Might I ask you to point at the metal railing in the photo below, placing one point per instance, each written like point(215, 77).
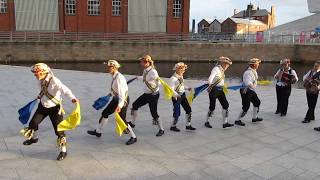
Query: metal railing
point(293, 38)
point(90, 36)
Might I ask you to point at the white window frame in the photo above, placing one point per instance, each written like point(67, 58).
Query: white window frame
point(3, 6)
point(116, 7)
point(177, 8)
point(70, 7)
point(93, 7)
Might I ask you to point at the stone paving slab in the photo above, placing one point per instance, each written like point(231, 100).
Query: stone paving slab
point(277, 148)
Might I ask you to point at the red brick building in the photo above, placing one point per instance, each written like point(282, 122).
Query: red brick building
point(255, 13)
point(110, 16)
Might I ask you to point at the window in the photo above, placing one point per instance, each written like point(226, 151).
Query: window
point(94, 7)
point(70, 7)
point(177, 8)
point(116, 7)
point(3, 6)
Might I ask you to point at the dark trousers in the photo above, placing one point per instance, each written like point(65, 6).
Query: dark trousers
point(217, 93)
point(283, 93)
point(151, 99)
point(112, 106)
point(41, 113)
point(312, 102)
point(247, 96)
point(182, 100)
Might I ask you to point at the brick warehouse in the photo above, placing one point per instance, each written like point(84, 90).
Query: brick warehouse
point(109, 16)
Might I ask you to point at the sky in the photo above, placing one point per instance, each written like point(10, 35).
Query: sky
point(286, 10)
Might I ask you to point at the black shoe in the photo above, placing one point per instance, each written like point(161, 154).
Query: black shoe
point(154, 122)
point(174, 128)
point(190, 128)
point(257, 119)
point(239, 123)
point(62, 156)
point(131, 124)
point(277, 112)
point(283, 114)
point(225, 125)
point(160, 133)
point(30, 141)
point(131, 141)
point(207, 124)
point(94, 133)
point(317, 128)
point(306, 121)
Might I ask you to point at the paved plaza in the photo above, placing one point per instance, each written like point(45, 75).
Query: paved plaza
point(277, 148)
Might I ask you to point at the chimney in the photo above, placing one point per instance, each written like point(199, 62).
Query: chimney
point(235, 11)
point(273, 17)
point(193, 25)
point(273, 10)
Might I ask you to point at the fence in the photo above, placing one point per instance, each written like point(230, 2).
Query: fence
point(259, 37)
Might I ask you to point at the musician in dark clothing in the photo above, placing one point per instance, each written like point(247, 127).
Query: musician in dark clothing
point(311, 83)
point(285, 76)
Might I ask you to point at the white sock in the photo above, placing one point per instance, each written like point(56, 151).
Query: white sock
point(131, 131)
point(188, 119)
point(241, 115)
point(101, 125)
point(255, 113)
point(35, 135)
point(224, 115)
point(160, 124)
point(63, 148)
point(134, 117)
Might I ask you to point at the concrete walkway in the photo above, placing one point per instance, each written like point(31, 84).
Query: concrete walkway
point(277, 148)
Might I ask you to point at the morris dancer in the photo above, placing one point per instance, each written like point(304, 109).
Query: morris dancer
point(150, 95)
point(177, 84)
point(119, 102)
point(50, 105)
point(215, 89)
point(248, 94)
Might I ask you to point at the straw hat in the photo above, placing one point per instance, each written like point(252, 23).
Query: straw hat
point(225, 60)
point(179, 65)
point(113, 63)
point(40, 67)
point(254, 61)
point(146, 58)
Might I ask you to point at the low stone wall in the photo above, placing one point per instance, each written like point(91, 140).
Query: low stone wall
point(165, 51)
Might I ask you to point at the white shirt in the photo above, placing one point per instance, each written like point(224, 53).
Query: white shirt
point(308, 74)
point(174, 83)
point(290, 71)
point(55, 88)
point(119, 88)
point(151, 77)
point(216, 73)
point(250, 78)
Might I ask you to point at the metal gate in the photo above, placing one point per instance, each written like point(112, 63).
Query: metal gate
point(36, 15)
point(147, 16)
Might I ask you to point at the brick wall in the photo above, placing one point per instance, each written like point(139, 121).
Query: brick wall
point(99, 51)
